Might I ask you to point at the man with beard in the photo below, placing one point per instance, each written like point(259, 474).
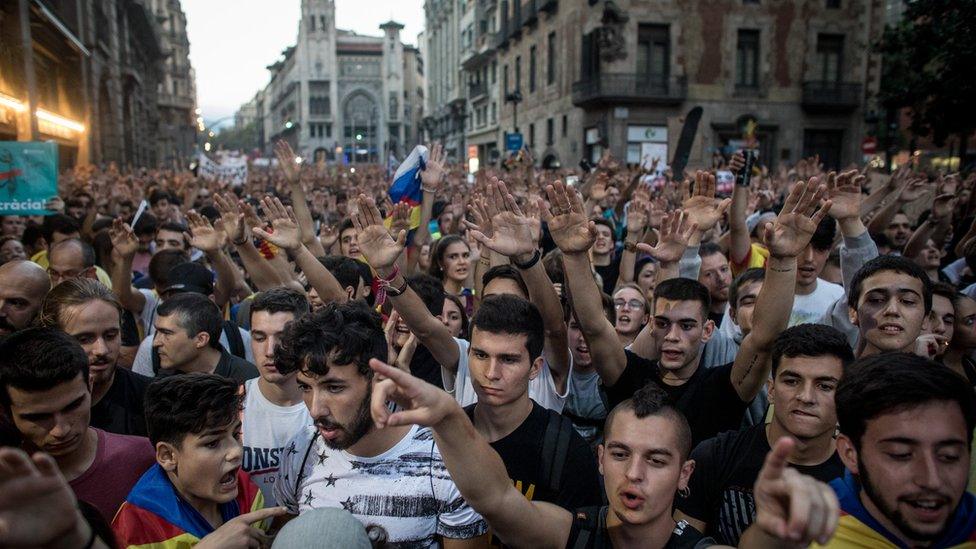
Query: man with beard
point(46, 391)
point(89, 312)
point(23, 285)
point(390, 477)
point(716, 275)
point(906, 427)
point(808, 361)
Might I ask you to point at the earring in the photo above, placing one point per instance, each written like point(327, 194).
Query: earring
point(685, 492)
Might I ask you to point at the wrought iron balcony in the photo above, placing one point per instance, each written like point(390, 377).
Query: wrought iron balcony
point(477, 89)
point(827, 96)
point(629, 88)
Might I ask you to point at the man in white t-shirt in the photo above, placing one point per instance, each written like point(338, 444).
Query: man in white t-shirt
point(814, 296)
point(391, 477)
point(273, 408)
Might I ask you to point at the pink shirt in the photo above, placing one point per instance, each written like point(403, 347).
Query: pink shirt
point(119, 462)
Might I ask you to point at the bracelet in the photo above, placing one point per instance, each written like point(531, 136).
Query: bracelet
point(396, 292)
point(530, 263)
point(630, 246)
point(426, 190)
point(392, 277)
point(239, 242)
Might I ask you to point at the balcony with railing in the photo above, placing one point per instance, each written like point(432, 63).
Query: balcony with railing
point(530, 13)
point(831, 96)
point(477, 89)
point(604, 89)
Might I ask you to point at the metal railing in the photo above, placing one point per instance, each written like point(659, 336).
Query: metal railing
point(819, 94)
point(631, 88)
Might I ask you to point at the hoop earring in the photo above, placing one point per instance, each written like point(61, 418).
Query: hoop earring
point(685, 492)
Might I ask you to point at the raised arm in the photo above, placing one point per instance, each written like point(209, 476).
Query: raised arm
point(431, 180)
point(263, 276)
point(574, 235)
point(516, 236)
point(211, 242)
point(739, 241)
point(637, 218)
point(474, 466)
point(299, 202)
point(786, 238)
point(381, 252)
point(936, 226)
point(124, 247)
point(287, 236)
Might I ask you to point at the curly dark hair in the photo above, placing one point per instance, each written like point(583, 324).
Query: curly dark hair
point(342, 334)
point(186, 404)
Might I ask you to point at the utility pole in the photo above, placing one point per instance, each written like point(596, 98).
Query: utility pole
point(28, 47)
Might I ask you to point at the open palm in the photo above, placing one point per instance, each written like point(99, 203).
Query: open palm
point(375, 243)
point(286, 232)
point(844, 191)
point(702, 208)
point(202, 234)
point(570, 229)
point(798, 220)
point(676, 231)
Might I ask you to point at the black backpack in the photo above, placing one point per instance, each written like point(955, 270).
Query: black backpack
point(234, 341)
point(555, 448)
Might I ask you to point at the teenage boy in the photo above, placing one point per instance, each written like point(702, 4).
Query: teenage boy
point(196, 493)
point(392, 477)
point(46, 391)
point(808, 362)
point(273, 407)
point(906, 428)
point(668, 351)
point(644, 461)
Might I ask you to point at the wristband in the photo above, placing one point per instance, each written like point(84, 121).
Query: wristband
point(383, 286)
point(530, 263)
point(630, 246)
point(240, 242)
point(395, 292)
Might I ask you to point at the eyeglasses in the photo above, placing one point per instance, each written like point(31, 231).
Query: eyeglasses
point(633, 304)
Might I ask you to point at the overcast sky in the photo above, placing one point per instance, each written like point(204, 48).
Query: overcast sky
point(232, 41)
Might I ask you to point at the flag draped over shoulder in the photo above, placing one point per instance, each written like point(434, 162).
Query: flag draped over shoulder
point(406, 183)
point(154, 516)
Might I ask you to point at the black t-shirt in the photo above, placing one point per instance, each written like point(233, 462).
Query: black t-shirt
point(424, 366)
point(230, 366)
point(609, 273)
point(726, 468)
point(130, 330)
point(716, 318)
point(708, 400)
point(589, 531)
point(522, 453)
point(121, 409)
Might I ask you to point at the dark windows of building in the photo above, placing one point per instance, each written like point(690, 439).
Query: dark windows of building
point(833, 4)
point(830, 54)
point(551, 59)
point(319, 103)
point(826, 143)
point(590, 56)
point(653, 54)
point(565, 125)
point(747, 59)
point(531, 136)
point(518, 73)
point(532, 65)
point(550, 131)
point(505, 80)
point(494, 72)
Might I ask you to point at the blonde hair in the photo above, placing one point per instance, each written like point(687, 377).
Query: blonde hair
point(72, 292)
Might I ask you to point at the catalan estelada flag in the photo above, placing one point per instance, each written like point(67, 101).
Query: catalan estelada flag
point(406, 183)
point(155, 516)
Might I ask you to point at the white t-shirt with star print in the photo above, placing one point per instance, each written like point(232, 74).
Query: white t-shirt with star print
point(407, 490)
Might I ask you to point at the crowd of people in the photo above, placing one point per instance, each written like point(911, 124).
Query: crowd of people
point(616, 357)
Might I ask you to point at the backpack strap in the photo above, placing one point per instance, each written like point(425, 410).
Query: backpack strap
point(555, 448)
point(588, 524)
point(234, 339)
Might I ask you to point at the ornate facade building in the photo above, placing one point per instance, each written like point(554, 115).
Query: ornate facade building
point(342, 95)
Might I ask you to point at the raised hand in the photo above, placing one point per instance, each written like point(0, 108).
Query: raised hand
point(418, 402)
point(737, 162)
point(286, 161)
point(400, 218)
point(202, 234)
point(432, 177)
point(570, 229)
point(913, 189)
point(676, 231)
point(513, 233)
point(702, 208)
point(286, 233)
point(942, 208)
point(790, 233)
point(599, 189)
point(124, 240)
point(238, 532)
point(231, 217)
point(375, 243)
point(844, 192)
point(637, 216)
point(792, 506)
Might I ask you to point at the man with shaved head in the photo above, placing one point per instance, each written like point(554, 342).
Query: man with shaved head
point(71, 258)
point(23, 285)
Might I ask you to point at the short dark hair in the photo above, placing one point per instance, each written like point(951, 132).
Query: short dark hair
point(157, 195)
point(895, 263)
point(892, 382)
point(161, 262)
point(603, 221)
point(505, 271)
point(748, 276)
point(344, 269)
point(945, 290)
point(823, 237)
point(38, 359)
point(345, 226)
point(430, 290)
point(684, 289)
point(811, 340)
point(195, 313)
point(346, 333)
point(188, 404)
point(280, 300)
point(510, 314)
point(652, 400)
point(146, 224)
point(709, 249)
point(58, 223)
point(171, 226)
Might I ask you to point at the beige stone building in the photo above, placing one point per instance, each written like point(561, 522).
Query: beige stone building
point(592, 74)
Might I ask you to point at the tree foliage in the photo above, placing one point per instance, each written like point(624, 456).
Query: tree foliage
point(243, 139)
point(929, 57)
